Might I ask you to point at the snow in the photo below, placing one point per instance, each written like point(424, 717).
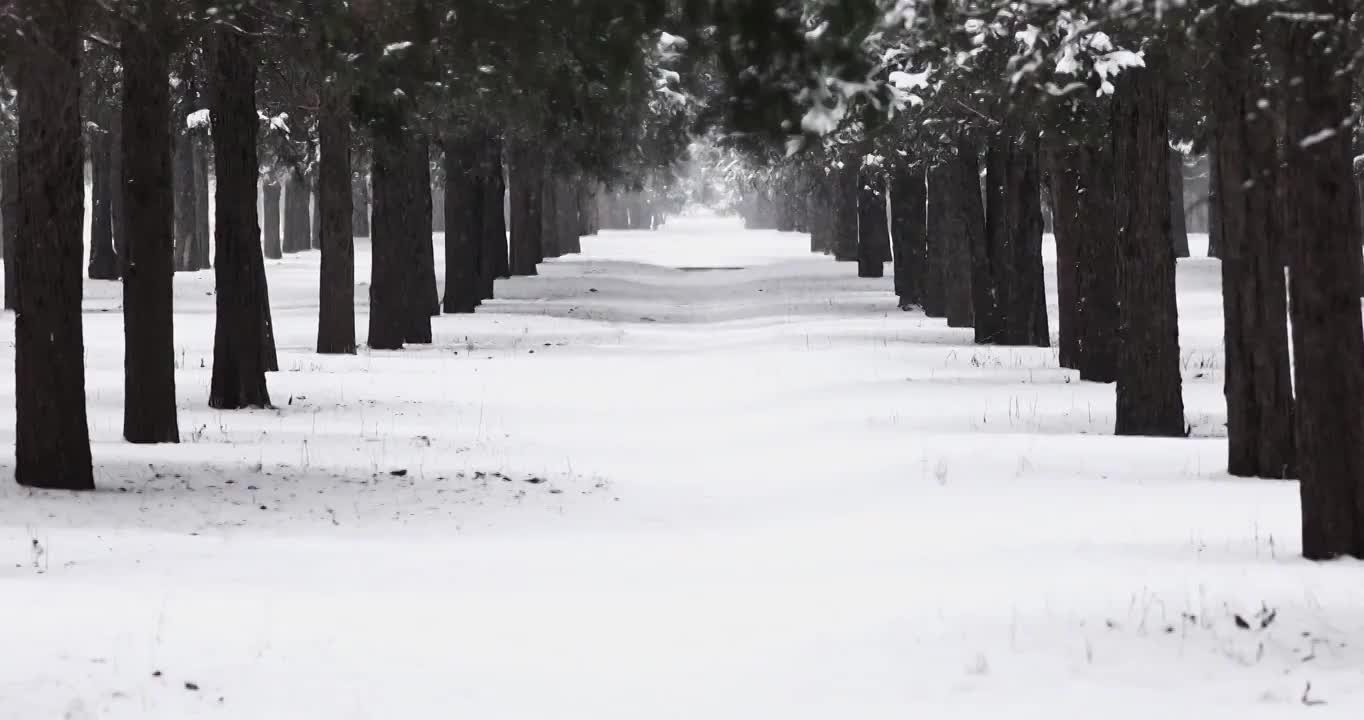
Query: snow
point(691, 473)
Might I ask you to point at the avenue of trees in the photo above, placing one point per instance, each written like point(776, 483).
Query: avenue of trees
point(942, 135)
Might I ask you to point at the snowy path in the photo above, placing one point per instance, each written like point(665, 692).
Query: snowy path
point(638, 488)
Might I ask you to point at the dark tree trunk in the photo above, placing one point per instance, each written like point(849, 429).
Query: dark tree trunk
point(909, 232)
point(336, 295)
point(425, 300)
point(1094, 224)
point(1063, 191)
point(270, 205)
point(965, 228)
point(148, 223)
point(390, 245)
point(202, 170)
point(243, 342)
point(297, 233)
point(1179, 228)
point(51, 437)
point(1018, 292)
point(464, 209)
point(873, 235)
point(186, 211)
point(568, 216)
point(104, 262)
point(9, 208)
point(493, 234)
point(1214, 223)
point(941, 182)
point(989, 274)
point(525, 210)
point(116, 205)
point(316, 234)
point(1149, 392)
point(551, 243)
point(821, 213)
point(843, 230)
point(1258, 383)
point(1322, 226)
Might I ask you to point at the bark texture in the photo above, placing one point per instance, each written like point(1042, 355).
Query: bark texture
point(51, 437)
point(1149, 392)
point(908, 228)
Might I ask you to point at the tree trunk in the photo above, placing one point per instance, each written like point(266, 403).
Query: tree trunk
point(1258, 383)
point(909, 195)
point(316, 235)
point(243, 342)
point(941, 180)
point(389, 245)
point(9, 208)
point(1063, 191)
point(336, 295)
point(493, 233)
point(525, 210)
point(551, 243)
point(149, 224)
point(425, 300)
point(843, 230)
point(116, 203)
point(1322, 226)
point(965, 228)
point(1214, 223)
point(873, 235)
point(51, 437)
point(1015, 243)
point(821, 213)
point(202, 170)
point(1179, 229)
point(1149, 392)
point(271, 193)
point(104, 262)
point(569, 224)
point(297, 233)
point(464, 209)
point(186, 212)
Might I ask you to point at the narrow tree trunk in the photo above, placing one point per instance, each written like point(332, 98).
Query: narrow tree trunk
point(525, 210)
point(336, 295)
point(9, 208)
point(464, 208)
point(1149, 392)
point(104, 262)
point(551, 243)
point(909, 232)
point(1258, 384)
point(148, 223)
point(116, 203)
point(821, 213)
point(965, 228)
point(1023, 310)
point(202, 170)
point(186, 213)
point(1179, 229)
point(569, 223)
point(990, 254)
point(941, 182)
point(493, 255)
point(1064, 192)
point(843, 230)
point(316, 206)
point(1214, 223)
point(390, 246)
point(243, 339)
point(51, 437)
point(270, 205)
point(1322, 225)
point(425, 300)
point(297, 233)
point(873, 234)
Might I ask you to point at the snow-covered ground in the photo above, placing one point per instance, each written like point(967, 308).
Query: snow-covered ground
point(636, 488)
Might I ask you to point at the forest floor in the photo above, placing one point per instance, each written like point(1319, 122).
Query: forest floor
point(697, 473)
